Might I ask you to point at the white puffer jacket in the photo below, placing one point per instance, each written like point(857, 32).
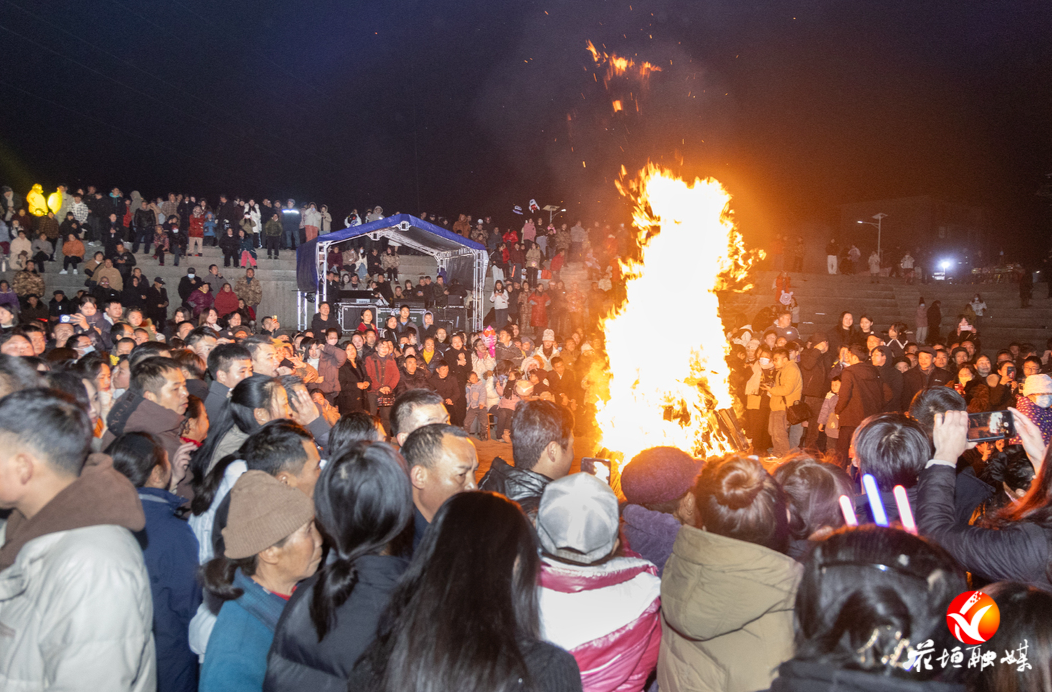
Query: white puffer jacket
point(76, 614)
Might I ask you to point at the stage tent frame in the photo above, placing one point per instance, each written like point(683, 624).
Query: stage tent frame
point(463, 259)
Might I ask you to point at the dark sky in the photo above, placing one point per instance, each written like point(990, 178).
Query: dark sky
point(477, 105)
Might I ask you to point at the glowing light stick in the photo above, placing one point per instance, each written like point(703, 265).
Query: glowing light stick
point(905, 513)
point(848, 511)
point(876, 506)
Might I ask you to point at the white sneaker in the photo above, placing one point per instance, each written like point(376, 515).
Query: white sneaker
point(74, 272)
point(63, 272)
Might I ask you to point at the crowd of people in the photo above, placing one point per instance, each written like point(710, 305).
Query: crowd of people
point(813, 393)
point(211, 502)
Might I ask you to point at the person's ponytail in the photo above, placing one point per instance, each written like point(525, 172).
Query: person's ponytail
point(336, 580)
point(363, 504)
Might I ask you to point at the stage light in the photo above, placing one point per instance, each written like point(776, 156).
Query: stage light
point(945, 264)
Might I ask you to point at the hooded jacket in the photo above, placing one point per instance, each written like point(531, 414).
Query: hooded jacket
point(727, 610)
point(862, 394)
point(134, 413)
point(607, 615)
point(75, 605)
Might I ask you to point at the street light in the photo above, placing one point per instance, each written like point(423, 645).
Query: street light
point(553, 211)
point(879, 217)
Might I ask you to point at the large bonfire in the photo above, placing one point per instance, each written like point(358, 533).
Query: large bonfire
point(668, 373)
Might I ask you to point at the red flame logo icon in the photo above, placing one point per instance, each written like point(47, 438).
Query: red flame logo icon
point(973, 618)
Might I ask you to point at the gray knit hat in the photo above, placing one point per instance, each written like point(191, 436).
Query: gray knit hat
point(578, 519)
point(263, 510)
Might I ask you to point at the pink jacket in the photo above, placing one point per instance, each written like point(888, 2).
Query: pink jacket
point(608, 616)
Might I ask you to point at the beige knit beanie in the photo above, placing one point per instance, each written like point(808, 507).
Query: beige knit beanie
point(263, 511)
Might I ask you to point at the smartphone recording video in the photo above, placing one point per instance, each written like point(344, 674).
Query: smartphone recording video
point(600, 468)
point(990, 425)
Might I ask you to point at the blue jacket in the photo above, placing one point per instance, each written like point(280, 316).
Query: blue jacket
point(236, 659)
point(169, 549)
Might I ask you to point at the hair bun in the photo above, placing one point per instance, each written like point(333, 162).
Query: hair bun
point(739, 484)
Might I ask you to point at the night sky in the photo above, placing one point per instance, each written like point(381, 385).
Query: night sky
point(476, 106)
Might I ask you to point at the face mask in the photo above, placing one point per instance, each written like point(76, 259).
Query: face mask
point(89, 349)
point(764, 362)
point(1043, 400)
point(190, 276)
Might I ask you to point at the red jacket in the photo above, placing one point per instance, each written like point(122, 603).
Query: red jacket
point(200, 302)
point(197, 226)
point(381, 374)
point(226, 303)
point(539, 310)
point(608, 616)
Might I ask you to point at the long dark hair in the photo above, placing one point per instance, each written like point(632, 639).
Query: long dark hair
point(1024, 618)
point(249, 394)
point(362, 503)
point(869, 594)
point(443, 632)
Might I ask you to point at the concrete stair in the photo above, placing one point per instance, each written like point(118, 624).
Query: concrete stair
point(823, 297)
point(277, 276)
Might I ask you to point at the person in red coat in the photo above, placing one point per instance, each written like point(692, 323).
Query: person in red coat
point(227, 301)
point(539, 302)
point(382, 371)
point(196, 232)
point(200, 300)
point(583, 570)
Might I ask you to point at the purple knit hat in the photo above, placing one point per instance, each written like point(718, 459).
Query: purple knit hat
point(658, 474)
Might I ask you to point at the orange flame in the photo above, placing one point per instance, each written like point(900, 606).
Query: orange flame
point(666, 396)
point(617, 66)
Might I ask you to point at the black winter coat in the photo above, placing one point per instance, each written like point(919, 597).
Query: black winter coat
point(1016, 552)
point(318, 325)
point(814, 367)
point(862, 394)
point(230, 243)
point(421, 379)
point(351, 398)
point(518, 485)
point(188, 286)
point(448, 388)
point(804, 676)
point(914, 380)
point(297, 661)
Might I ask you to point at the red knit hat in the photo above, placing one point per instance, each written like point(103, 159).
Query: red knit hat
point(658, 474)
